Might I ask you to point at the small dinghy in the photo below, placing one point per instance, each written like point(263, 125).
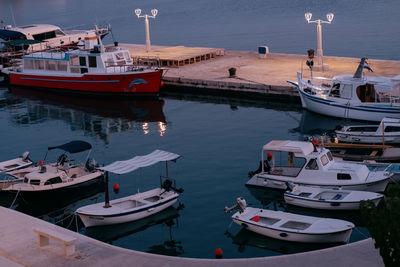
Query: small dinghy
point(329, 199)
point(17, 163)
point(137, 206)
point(291, 227)
point(7, 178)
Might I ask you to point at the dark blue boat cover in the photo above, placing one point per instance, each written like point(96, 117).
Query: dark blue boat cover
point(73, 146)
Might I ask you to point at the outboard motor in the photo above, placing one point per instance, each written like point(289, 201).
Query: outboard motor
point(91, 165)
point(167, 186)
point(240, 205)
point(25, 156)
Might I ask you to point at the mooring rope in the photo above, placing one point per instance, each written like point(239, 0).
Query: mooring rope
point(16, 196)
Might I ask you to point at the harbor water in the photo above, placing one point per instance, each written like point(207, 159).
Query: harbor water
point(220, 139)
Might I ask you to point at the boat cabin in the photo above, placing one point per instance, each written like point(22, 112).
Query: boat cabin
point(368, 89)
point(297, 158)
point(97, 59)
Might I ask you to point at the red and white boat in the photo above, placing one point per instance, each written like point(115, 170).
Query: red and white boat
point(94, 69)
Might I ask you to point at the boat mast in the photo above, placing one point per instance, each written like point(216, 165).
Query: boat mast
point(106, 194)
point(358, 73)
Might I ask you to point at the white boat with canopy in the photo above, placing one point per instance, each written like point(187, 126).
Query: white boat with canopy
point(137, 206)
point(291, 227)
point(388, 131)
point(304, 163)
point(52, 179)
point(329, 199)
point(368, 98)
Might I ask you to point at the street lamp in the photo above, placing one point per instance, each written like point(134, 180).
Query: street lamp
point(329, 18)
point(146, 17)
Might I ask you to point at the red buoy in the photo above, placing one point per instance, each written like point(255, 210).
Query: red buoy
point(218, 253)
point(162, 84)
point(116, 188)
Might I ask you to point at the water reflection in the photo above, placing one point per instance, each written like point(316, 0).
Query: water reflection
point(98, 117)
point(168, 217)
point(245, 238)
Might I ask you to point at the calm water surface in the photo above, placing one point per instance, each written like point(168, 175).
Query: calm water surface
point(219, 139)
point(219, 144)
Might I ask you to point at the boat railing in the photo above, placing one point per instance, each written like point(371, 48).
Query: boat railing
point(126, 68)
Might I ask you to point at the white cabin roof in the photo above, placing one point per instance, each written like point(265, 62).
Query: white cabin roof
point(35, 28)
point(290, 146)
point(382, 83)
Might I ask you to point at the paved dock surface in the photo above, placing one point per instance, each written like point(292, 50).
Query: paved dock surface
point(255, 75)
point(19, 247)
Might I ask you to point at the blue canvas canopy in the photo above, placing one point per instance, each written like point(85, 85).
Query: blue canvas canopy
point(73, 146)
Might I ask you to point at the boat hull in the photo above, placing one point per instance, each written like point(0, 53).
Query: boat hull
point(97, 215)
point(129, 83)
point(276, 183)
point(325, 205)
point(338, 237)
point(367, 139)
point(54, 193)
point(341, 109)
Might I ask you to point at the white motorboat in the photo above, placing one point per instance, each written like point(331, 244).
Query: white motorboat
point(359, 97)
point(307, 164)
point(11, 165)
point(40, 37)
point(17, 163)
point(53, 179)
point(329, 199)
point(137, 206)
point(371, 134)
point(291, 227)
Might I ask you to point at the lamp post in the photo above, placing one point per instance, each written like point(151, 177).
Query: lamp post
point(329, 16)
point(146, 17)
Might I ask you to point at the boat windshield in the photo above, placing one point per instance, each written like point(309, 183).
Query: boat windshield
point(286, 164)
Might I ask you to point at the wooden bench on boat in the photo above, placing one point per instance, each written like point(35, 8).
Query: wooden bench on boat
point(45, 234)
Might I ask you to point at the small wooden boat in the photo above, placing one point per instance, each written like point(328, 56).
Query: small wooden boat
point(387, 132)
point(329, 199)
point(364, 152)
point(137, 206)
point(291, 227)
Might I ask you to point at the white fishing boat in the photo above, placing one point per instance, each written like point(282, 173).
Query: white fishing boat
point(388, 131)
point(291, 227)
point(329, 199)
point(137, 206)
point(307, 164)
point(49, 180)
point(359, 97)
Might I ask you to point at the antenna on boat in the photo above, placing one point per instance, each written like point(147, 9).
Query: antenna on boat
point(358, 73)
point(12, 15)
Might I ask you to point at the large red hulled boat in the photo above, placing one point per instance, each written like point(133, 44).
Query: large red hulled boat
point(95, 69)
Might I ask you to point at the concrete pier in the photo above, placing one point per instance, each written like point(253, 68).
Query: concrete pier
point(255, 76)
point(19, 247)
